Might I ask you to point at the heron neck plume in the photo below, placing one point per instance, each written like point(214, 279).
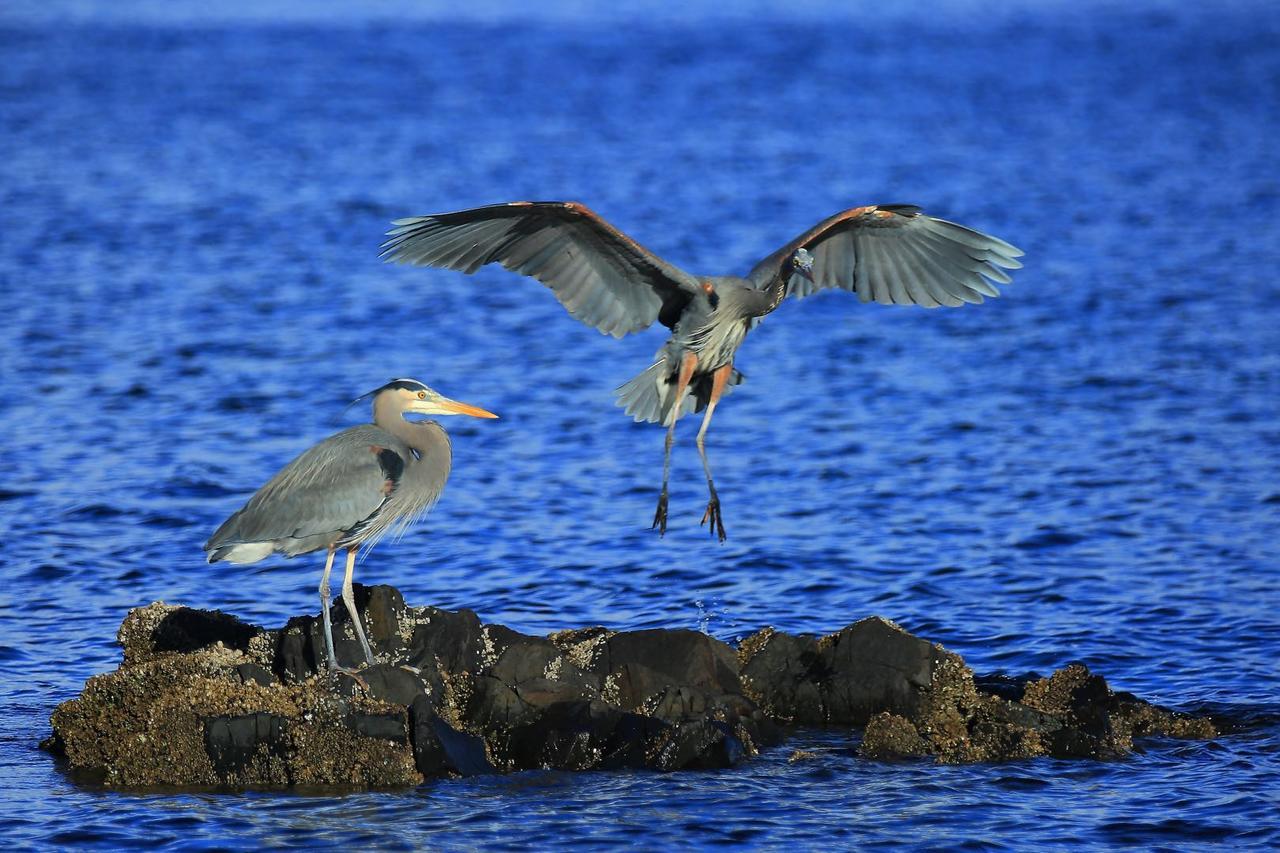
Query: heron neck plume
point(424, 474)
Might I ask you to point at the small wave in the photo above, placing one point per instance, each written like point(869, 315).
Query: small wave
point(48, 572)
point(96, 511)
point(1049, 537)
point(166, 521)
point(1138, 832)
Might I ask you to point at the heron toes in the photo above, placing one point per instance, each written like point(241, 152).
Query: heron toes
point(660, 516)
point(712, 515)
point(334, 670)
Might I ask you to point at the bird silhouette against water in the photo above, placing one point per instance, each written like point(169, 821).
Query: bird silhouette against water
point(891, 253)
point(348, 492)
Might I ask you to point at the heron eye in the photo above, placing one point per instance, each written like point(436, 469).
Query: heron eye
point(422, 395)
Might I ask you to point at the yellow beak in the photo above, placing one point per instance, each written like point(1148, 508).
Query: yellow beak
point(445, 406)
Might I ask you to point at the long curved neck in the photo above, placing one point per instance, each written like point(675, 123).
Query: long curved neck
point(424, 437)
point(776, 292)
point(423, 478)
point(741, 300)
point(765, 300)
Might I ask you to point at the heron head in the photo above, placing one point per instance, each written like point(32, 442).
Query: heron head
point(802, 263)
point(410, 396)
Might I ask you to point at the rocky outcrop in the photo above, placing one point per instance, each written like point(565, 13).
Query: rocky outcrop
point(203, 699)
point(1071, 714)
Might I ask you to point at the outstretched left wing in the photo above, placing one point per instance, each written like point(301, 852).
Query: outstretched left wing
point(603, 277)
point(896, 255)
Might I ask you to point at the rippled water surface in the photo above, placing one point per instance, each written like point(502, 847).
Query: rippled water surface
point(1086, 469)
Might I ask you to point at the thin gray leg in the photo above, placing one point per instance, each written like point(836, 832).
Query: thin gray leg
point(324, 612)
point(349, 597)
point(687, 365)
point(718, 381)
point(712, 514)
point(660, 515)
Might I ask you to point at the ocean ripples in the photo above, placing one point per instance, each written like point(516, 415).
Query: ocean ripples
point(1083, 470)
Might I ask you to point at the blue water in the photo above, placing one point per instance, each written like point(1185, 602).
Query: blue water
point(1086, 469)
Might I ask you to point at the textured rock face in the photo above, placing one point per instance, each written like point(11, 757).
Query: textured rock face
point(203, 699)
point(1071, 714)
point(845, 678)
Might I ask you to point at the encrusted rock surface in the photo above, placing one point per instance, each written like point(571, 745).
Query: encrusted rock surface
point(1071, 714)
point(203, 699)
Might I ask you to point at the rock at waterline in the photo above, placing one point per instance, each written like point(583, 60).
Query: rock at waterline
point(203, 699)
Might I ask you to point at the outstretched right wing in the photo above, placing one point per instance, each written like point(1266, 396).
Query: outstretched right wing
point(896, 255)
point(602, 276)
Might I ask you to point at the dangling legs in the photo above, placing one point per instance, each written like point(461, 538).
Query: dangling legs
point(718, 381)
point(324, 613)
point(682, 384)
point(349, 598)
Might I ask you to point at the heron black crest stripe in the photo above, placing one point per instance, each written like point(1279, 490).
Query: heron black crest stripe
point(394, 384)
point(403, 385)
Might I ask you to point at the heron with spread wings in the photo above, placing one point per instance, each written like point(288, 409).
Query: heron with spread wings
point(893, 254)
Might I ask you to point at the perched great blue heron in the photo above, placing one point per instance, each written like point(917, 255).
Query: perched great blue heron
point(890, 253)
point(349, 491)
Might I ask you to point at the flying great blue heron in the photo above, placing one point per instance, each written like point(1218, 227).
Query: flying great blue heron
point(349, 491)
point(890, 253)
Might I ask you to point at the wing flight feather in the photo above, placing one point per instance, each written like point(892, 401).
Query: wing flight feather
point(895, 255)
point(602, 276)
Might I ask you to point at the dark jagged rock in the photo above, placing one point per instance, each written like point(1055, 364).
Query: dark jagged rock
point(638, 664)
point(398, 685)
point(872, 666)
point(845, 678)
point(699, 745)
point(187, 630)
point(251, 673)
point(782, 673)
point(441, 750)
point(148, 632)
point(203, 699)
point(234, 743)
point(450, 640)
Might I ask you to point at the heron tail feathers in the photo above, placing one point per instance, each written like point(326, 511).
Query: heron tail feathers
point(649, 396)
point(641, 397)
point(241, 552)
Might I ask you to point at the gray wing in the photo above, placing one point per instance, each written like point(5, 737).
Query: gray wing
point(336, 488)
point(896, 255)
point(602, 276)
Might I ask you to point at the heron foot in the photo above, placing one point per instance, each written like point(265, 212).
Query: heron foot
point(712, 515)
point(660, 516)
point(333, 671)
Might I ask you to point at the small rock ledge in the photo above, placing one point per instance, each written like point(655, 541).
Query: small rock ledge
point(203, 699)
